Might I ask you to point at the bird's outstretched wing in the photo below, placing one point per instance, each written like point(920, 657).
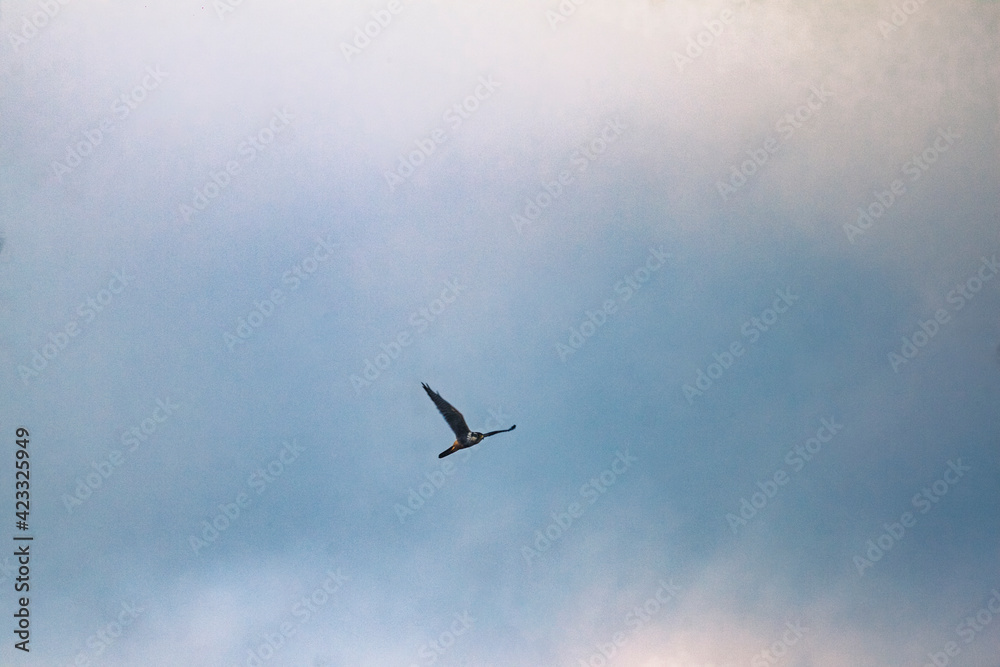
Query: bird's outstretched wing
point(486, 435)
point(454, 418)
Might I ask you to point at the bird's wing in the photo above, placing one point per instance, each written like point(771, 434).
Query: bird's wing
point(454, 418)
point(486, 435)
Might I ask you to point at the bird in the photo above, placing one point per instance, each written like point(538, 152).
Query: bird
point(456, 421)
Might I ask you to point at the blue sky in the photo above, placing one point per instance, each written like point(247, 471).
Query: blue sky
point(730, 267)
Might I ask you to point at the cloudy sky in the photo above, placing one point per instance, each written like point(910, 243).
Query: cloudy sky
point(731, 268)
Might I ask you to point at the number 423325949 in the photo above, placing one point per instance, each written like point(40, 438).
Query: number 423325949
point(22, 478)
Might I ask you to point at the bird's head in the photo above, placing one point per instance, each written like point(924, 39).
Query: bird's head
point(475, 437)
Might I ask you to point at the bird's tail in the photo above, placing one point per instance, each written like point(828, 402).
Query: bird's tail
point(450, 450)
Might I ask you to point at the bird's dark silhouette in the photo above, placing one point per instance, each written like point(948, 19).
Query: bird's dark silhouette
point(465, 437)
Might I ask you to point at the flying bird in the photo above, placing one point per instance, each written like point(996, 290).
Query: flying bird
point(456, 421)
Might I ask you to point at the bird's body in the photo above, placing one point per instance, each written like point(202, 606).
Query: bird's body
point(465, 437)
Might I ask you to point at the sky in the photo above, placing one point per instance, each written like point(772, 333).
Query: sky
point(731, 268)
